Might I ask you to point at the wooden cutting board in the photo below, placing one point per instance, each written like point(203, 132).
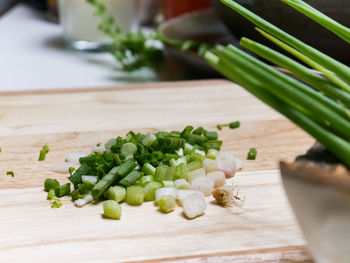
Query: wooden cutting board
point(30, 231)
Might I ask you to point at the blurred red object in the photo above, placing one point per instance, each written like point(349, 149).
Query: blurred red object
point(173, 8)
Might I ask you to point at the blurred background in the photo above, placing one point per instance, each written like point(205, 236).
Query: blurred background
point(49, 44)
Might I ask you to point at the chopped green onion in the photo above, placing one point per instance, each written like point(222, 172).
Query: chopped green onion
point(145, 179)
point(211, 135)
point(112, 209)
point(56, 203)
point(135, 195)
point(167, 203)
point(182, 184)
point(76, 177)
point(195, 174)
point(187, 131)
point(119, 171)
point(46, 148)
point(0, 150)
point(212, 154)
point(71, 170)
point(150, 190)
point(42, 155)
point(149, 139)
point(196, 139)
point(63, 190)
point(148, 169)
point(128, 149)
point(51, 194)
point(168, 183)
point(51, 184)
point(164, 173)
point(199, 131)
point(131, 178)
point(252, 154)
point(116, 193)
point(231, 125)
point(188, 148)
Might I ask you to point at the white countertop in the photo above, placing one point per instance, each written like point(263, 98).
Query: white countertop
point(33, 55)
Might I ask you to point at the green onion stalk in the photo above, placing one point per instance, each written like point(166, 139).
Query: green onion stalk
point(317, 103)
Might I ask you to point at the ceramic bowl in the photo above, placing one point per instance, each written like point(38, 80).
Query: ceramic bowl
point(285, 17)
point(320, 198)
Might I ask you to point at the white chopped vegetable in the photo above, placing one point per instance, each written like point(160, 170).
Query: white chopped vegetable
point(199, 152)
point(62, 168)
point(194, 205)
point(239, 163)
point(182, 184)
point(182, 194)
point(89, 178)
point(212, 154)
point(218, 177)
point(228, 196)
point(73, 157)
point(204, 185)
point(168, 183)
point(226, 162)
point(195, 174)
point(149, 139)
point(165, 191)
point(83, 201)
point(180, 152)
point(98, 149)
point(209, 165)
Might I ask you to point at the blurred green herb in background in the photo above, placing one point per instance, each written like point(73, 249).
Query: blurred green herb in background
point(135, 50)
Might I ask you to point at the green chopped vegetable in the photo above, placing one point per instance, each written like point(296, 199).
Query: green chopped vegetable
point(10, 173)
point(167, 203)
point(51, 184)
point(128, 149)
point(112, 209)
point(252, 154)
point(168, 183)
point(46, 148)
point(232, 125)
point(135, 195)
point(164, 173)
point(42, 155)
point(51, 194)
point(63, 190)
point(116, 193)
point(145, 180)
point(56, 203)
point(131, 178)
point(150, 190)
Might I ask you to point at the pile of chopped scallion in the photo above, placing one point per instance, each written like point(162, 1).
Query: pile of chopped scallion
point(318, 102)
point(165, 167)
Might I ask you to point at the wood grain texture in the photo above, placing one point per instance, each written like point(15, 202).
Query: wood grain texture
point(30, 231)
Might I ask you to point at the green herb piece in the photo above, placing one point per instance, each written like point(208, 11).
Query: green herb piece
point(196, 139)
point(148, 169)
point(56, 203)
point(10, 173)
point(63, 190)
point(145, 180)
point(71, 170)
point(167, 203)
point(252, 154)
point(188, 148)
point(187, 131)
point(51, 184)
point(150, 190)
point(46, 148)
point(135, 195)
point(164, 173)
point(211, 135)
point(42, 155)
point(0, 150)
point(231, 125)
point(131, 178)
point(119, 171)
point(199, 131)
point(128, 149)
point(149, 139)
point(116, 193)
point(112, 209)
point(76, 177)
point(168, 183)
point(51, 194)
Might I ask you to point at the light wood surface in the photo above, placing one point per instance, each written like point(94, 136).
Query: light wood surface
point(30, 231)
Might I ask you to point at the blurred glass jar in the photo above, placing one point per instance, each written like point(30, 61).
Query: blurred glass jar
point(80, 25)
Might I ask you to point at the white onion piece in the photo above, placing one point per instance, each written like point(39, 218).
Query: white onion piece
point(209, 165)
point(204, 185)
point(180, 152)
point(165, 191)
point(218, 177)
point(62, 168)
point(194, 205)
point(182, 184)
point(226, 163)
point(83, 201)
point(98, 149)
point(182, 194)
point(89, 178)
point(239, 163)
point(195, 174)
point(73, 157)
